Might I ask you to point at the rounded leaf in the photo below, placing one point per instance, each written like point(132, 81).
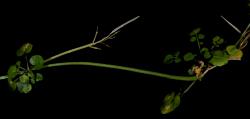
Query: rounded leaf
point(231, 49)
point(24, 78)
point(201, 36)
point(207, 55)
point(235, 54)
point(18, 63)
point(218, 61)
point(39, 77)
point(170, 103)
point(177, 60)
point(189, 56)
point(25, 49)
point(190, 72)
point(31, 77)
point(168, 59)
point(195, 31)
point(204, 50)
point(37, 61)
point(193, 39)
point(24, 87)
point(12, 72)
point(12, 84)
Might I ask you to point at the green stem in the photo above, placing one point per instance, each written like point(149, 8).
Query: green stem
point(3, 77)
point(109, 36)
point(198, 43)
point(152, 73)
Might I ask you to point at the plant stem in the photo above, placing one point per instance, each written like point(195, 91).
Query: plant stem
point(109, 36)
point(189, 87)
point(3, 77)
point(198, 43)
point(152, 73)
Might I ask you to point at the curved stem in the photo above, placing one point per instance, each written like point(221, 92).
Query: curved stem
point(152, 73)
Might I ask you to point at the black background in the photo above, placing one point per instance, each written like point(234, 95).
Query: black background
point(98, 92)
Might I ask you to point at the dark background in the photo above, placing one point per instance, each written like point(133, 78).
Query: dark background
point(98, 92)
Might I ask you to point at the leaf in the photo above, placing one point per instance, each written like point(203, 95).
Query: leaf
point(168, 59)
point(24, 78)
point(201, 36)
point(218, 53)
point(190, 72)
point(207, 55)
point(220, 41)
point(201, 43)
point(219, 58)
point(170, 103)
point(25, 49)
point(18, 63)
point(235, 54)
point(231, 49)
point(193, 39)
point(195, 31)
point(12, 72)
point(24, 87)
point(204, 50)
point(217, 40)
point(31, 77)
point(189, 56)
point(12, 84)
point(37, 61)
point(177, 60)
point(39, 77)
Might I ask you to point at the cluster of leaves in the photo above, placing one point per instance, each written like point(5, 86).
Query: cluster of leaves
point(212, 55)
point(21, 76)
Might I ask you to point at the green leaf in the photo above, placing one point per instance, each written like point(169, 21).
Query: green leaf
point(31, 77)
point(231, 49)
point(201, 36)
point(37, 61)
point(204, 50)
point(193, 39)
point(218, 53)
point(168, 59)
point(201, 43)
point(177, 60)
point(25, 49)
point(39, 77)
point(18, 63)
point(219, 58)
point(190, 72)
point(195, 31)
point(12, 72)
point(12, 84)
point(189, 56)
point(170, 103)
point(24, 87)
point(235, 54)
point(218, 40)
point(207, 55)
point(24, 78)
